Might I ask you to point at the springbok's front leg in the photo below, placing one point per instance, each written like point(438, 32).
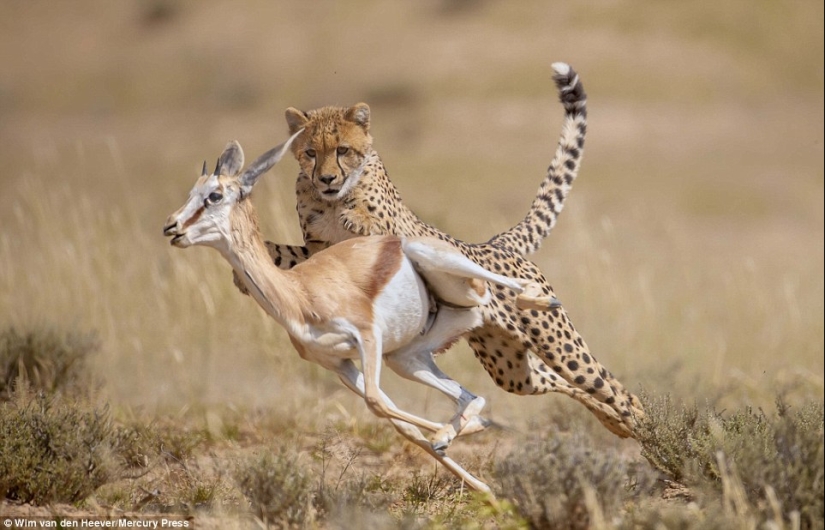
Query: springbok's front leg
point(354, 380)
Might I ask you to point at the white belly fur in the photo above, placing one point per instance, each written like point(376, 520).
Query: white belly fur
point(402, 308)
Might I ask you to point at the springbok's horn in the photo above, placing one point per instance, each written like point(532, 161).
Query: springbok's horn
point(218, 167)
point(203, 171)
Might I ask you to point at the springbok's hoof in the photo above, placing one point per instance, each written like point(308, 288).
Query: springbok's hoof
point(441, 448)
point(533, 298)
point(443, 438)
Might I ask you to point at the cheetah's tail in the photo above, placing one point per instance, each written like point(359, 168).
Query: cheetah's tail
point(527, 236)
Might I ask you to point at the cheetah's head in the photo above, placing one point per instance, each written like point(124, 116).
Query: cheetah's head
point(333, 148)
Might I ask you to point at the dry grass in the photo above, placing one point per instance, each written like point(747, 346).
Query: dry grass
point(690, 254)
point(48, 361)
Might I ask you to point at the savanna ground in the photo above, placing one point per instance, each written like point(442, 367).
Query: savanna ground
point(690, 256)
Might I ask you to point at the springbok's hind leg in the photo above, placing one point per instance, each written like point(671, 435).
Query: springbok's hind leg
point(369, 348)
point(368, 344)
point(415, 362)
point(419, 366)
point(354, 380)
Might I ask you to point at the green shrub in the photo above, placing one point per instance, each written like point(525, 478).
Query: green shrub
point(782, 453)
point(137, 445)
point(51, 452)
point(563, 482)
point(178, 443)
point(666, 434)
point(278, 488)
point(50, 361)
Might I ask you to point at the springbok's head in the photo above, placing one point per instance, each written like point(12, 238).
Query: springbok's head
point(204, 218)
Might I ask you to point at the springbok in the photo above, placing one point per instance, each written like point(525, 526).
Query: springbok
point(373, 299)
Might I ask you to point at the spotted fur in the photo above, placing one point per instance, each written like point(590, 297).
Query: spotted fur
point(344, 191)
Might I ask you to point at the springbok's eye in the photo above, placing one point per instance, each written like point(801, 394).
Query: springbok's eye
point(214, 198)
point(342, 150)
point(310, 153)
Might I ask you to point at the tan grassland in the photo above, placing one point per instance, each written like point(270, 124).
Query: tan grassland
point(689, 255)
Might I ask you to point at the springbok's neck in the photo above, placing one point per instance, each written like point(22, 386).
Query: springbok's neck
point(274, 289)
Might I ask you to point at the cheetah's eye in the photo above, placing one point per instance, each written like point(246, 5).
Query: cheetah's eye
point(310, 153)
point(214, 198)
point(342, 150)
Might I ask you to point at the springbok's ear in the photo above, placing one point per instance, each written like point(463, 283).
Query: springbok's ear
point(360, 114)
point(231, 160)
point(264, 163)
point(296, 119)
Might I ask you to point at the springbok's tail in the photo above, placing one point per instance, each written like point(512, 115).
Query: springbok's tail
point(527, 236)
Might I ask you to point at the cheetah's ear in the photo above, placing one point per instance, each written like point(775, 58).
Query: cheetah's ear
point(296, 119)
point(360, 114)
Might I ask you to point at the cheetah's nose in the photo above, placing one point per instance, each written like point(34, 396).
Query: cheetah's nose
point(327, 179)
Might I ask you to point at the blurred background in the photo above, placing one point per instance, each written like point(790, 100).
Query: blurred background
point(689, 254)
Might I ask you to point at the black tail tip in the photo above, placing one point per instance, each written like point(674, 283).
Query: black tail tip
point(571, 91)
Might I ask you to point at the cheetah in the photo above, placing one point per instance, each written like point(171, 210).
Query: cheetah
point(344, 191)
